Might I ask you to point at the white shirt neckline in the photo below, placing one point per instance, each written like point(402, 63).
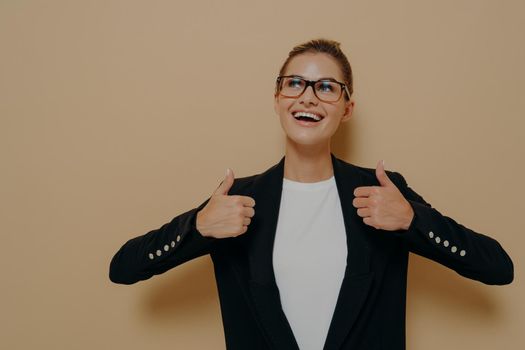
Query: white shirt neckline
point(308, 186)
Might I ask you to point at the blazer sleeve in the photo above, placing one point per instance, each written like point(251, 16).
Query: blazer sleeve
point(160, 250)
point(442, 239)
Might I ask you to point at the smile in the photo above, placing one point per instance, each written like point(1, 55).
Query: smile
point(307, 116)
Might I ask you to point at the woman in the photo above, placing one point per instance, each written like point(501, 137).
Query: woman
point(313, 252)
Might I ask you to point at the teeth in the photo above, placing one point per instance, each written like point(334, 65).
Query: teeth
point(307, 115)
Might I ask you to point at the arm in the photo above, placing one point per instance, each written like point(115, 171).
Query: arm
point(160, 250)
point(442, 239)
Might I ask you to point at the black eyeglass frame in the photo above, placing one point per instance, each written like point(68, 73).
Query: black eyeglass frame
point(312, 84)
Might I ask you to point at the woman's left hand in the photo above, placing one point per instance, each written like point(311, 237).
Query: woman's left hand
point(383, 207)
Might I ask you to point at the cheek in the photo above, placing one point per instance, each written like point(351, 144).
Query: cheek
point(282, 108)
point(336, 112)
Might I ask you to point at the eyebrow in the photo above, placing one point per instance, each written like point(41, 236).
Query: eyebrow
point(324, 78)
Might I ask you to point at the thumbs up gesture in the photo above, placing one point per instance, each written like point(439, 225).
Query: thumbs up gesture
point(224, 215)
point(383, 207)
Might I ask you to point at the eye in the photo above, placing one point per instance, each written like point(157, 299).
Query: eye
point(294, 83)
point(325, 86)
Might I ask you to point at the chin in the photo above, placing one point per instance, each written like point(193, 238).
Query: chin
point(305, 141)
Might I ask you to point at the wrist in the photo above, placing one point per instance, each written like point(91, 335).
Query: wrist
point(198, 220)
point(409, 217)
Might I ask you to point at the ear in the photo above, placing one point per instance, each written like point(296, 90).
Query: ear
point(349, 109)
point(276, 103)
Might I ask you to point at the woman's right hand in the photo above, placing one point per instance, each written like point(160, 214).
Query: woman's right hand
point(224, 215)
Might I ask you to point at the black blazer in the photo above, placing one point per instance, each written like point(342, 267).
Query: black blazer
point(370, 310)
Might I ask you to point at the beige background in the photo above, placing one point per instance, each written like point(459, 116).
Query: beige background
point(117, 116)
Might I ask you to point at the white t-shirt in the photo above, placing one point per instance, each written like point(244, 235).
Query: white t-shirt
point(309, 257)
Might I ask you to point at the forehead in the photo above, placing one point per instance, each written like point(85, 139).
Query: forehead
point(314, 66)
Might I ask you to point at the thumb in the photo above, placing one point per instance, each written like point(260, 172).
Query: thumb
point(226, 184)
point(381, 174)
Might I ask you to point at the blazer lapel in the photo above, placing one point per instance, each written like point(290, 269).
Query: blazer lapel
point(267, 190)
point(358, 277)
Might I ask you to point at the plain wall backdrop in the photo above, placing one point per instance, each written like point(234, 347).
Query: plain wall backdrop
point(116, 116)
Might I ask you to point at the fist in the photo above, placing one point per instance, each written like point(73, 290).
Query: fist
point(224, 215)
point(383, 207)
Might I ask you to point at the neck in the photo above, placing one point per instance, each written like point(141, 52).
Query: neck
point(308, 163)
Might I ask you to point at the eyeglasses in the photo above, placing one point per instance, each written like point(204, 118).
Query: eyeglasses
point(326, 90)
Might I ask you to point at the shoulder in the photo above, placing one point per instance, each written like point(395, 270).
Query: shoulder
point(369, 174)
point(268, 177)
point(243, 185)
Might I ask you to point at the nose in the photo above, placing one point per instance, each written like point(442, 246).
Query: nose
point(308, 96)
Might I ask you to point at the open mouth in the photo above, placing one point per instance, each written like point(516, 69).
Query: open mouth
point(308, 117)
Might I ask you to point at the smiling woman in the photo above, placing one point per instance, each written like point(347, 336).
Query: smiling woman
point(321, 66)
point(313, 252)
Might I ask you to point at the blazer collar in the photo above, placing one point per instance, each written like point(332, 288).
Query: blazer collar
point(267, 190)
